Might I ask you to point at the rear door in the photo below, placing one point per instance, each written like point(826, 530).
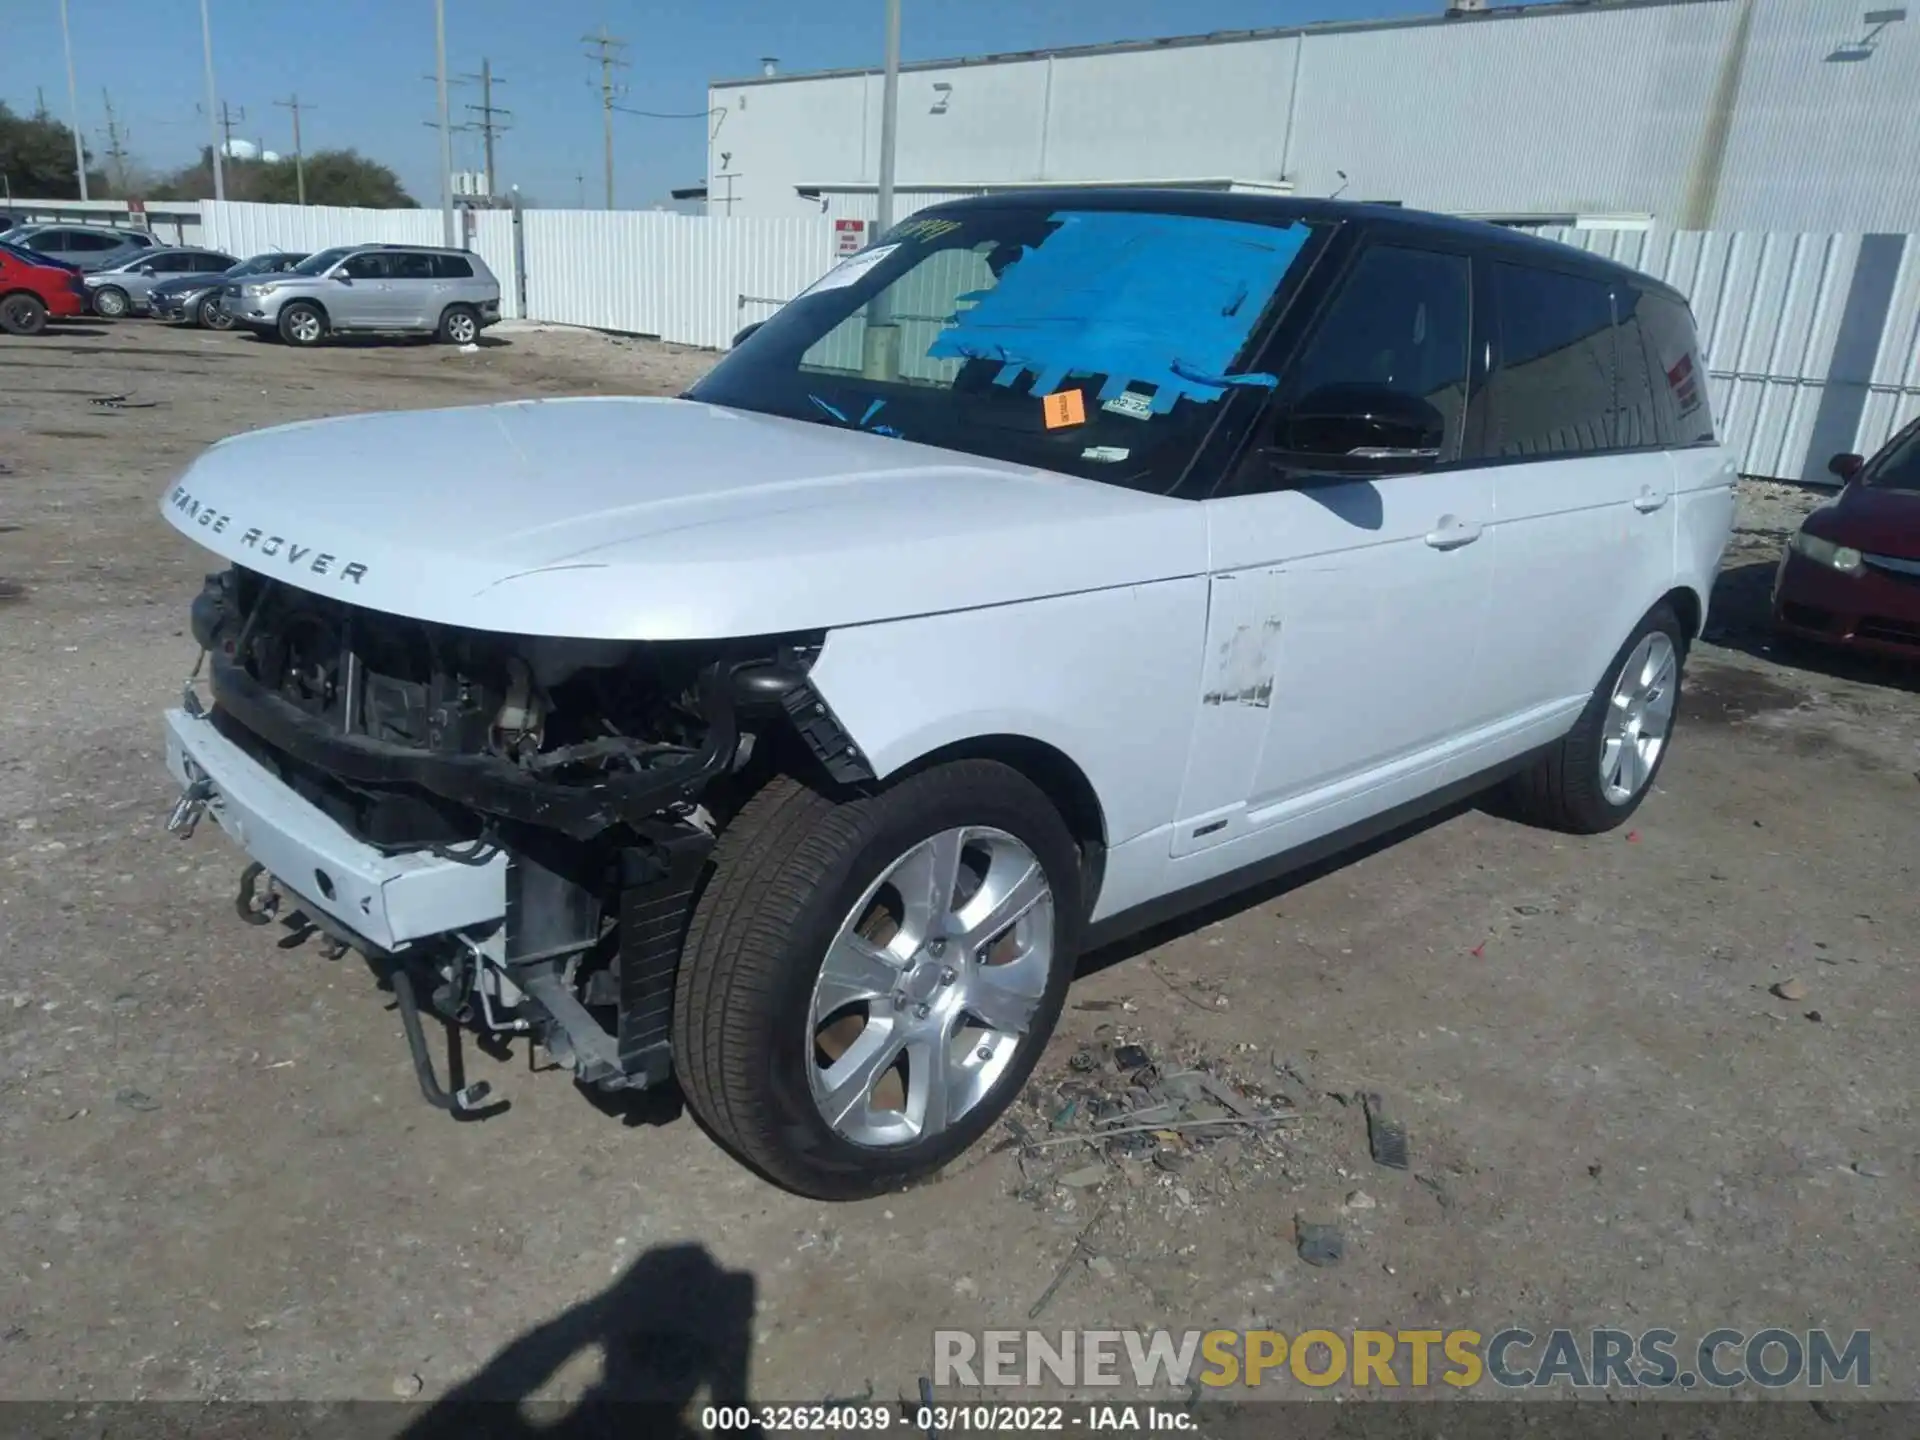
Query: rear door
point(415, 285)
point(1352, 562)
point(1583, 487)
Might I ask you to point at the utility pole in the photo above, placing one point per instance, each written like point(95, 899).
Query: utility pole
point(73, 106)
point(889, 123)
point(607, 50)
point(880, 353)
point(446, 126)
point(292, 102)
point(230, 117)
point(487, 125)
point(213, 136)
point(116, 149)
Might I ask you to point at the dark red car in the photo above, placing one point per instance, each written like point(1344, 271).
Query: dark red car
point(1851, 575)
point(34, 289)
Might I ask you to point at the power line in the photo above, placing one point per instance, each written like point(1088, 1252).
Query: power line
point(665, 114)
point(292, 102)
point(487, 125)
point(606, 49)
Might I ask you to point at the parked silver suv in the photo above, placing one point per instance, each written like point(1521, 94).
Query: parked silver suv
point(406, 289)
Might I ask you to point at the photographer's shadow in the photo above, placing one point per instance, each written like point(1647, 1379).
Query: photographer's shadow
point(674, 1324)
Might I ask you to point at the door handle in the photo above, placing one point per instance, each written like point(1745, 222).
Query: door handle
point(1452, 533)
point(1646, 502)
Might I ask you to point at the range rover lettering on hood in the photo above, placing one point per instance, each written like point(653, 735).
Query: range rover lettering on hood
point(272, 547)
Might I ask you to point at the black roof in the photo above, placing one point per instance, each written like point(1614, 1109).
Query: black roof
point(1279, 210)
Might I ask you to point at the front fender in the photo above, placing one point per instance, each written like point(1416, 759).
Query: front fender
point(1109, 678)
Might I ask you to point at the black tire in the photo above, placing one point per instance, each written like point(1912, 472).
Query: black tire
point(785, 874)
point(110, 302)
point(459, 325)
point(1562, 789)
point(22, 314)
point(294, 331)
point(210, 316)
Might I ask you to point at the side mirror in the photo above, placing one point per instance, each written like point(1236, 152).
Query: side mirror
point(1847, 465)
point(341, 277)
point(147, 269)
point(742, 334)
point(1367, 429)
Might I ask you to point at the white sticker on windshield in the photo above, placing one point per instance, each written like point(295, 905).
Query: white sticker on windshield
point(1105, 454)
point(849, 270)
point(1130, 403)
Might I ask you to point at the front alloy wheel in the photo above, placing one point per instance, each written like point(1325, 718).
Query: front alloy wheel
point(110, 302)
point(868, 980)
point(213, 315)
point(929, 986)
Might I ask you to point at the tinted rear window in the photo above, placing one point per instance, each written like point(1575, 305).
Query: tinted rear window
point(1680, 374)
point(453, 267)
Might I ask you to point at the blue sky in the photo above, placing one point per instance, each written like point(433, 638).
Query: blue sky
point(362, 65)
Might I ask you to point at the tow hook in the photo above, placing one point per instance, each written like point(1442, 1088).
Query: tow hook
point(188, 809)
point(464, 1102)
point(257, 906)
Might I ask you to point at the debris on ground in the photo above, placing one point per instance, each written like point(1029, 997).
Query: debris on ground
point(1079, 1252)
point(1386, 1137)
point(1319, 1245)
point(1148, 1115)
point(1789, 990)
point(137, 1100)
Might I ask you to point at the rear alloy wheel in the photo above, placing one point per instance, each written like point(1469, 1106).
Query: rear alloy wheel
point(459, 326)
point(867, 984)
point(302, 324)
point(212, 316)
point(110, 302)
point(22, 315)
point(1597, 775)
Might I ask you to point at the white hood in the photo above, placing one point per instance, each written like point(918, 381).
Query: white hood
point(660, 519)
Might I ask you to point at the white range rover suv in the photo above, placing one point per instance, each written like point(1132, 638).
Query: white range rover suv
point(1057, 563)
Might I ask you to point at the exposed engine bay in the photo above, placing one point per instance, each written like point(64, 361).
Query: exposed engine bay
point(588, 779)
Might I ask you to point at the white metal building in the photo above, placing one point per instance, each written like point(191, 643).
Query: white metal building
point(1797, 115)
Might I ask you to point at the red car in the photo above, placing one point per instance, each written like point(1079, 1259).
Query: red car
point(1851, 575)
point(34, 288)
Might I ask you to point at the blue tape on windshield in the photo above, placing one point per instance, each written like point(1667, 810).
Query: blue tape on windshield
point(1160, 300)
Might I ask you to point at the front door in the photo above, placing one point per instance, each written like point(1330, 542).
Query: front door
point(365, 299)
point(1351, 566)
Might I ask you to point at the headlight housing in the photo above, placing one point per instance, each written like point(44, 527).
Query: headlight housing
point(1843, 558)
point(257, 290)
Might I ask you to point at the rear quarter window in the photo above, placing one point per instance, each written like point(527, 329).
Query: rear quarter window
point(1552, 390)
point(452, 267)
point(1680, 371)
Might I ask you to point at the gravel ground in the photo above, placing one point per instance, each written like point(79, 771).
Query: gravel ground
point(221, 1182)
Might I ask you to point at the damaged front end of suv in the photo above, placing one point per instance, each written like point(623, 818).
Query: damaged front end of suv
point(511, 827)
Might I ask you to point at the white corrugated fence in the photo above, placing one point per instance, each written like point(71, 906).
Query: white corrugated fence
point(1812, 341)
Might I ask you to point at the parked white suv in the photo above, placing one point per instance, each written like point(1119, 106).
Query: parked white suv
point(1057, 563)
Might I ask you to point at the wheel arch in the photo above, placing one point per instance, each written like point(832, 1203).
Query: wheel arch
point(1057, 775)
point(1688, 607)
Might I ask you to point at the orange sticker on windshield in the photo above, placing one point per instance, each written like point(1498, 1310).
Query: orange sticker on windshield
point(1064, 407)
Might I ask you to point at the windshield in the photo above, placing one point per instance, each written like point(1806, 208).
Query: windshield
point(1898, 466)
point(1098, 343)
point(323, 261)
